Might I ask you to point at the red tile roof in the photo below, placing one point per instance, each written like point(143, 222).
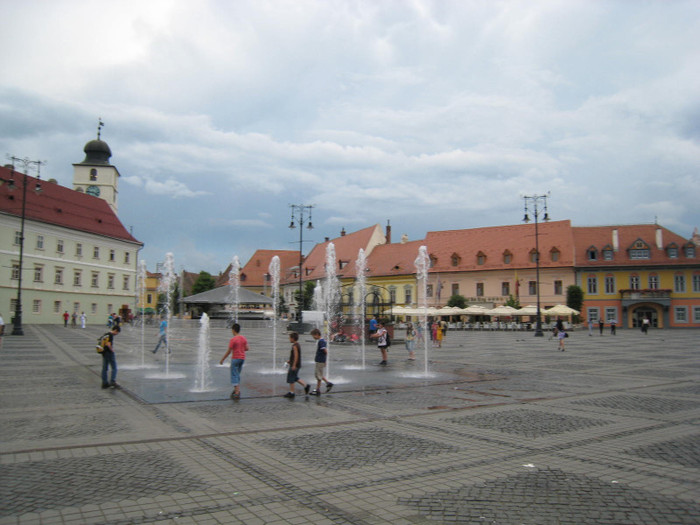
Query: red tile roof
point(62, 207)
point(347, 248)
point(493, 242)
point(601, 237)
point(259, 265)
point(393, 259)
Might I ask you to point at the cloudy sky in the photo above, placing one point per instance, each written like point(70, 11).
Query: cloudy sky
point(431, 114)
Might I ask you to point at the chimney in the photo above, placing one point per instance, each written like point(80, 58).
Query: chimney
point(388, 232)
point(659, 239)
point(327, 239)
point(404, 239)
point(615, 240)
point(342, 232)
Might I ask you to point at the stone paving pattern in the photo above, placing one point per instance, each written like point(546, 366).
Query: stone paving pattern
point(504, 430)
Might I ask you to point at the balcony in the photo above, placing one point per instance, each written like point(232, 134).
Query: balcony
point(642, 295)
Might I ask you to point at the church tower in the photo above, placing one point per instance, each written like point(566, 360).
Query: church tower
point(95, 175)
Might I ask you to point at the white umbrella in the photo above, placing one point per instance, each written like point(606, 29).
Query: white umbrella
point(450, 310)
point(475, 309)
point(530, 309)
point(561, 309)
point(502, 311)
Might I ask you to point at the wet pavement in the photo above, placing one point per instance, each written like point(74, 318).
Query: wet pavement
point(503, 429)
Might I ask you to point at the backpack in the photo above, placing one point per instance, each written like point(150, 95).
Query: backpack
point(388, 339)
point(102, 343)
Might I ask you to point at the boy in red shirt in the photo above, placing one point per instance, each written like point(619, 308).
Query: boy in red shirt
point(237, 347)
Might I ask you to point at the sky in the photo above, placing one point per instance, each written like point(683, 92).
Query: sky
point(432, 115)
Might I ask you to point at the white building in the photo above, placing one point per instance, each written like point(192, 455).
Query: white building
point(77, 255)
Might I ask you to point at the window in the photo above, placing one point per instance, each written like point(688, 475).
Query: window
point(125, 283)
point(455, 288)
point(634, 282)
point(505, 288)
point(680, 314)
point(696, 314)
point(429, 290)
point(558, 288)
point(39, 242)
point(59, 246)
point(93, 174)
point(593, 315)
point(18, 238)
point(533, 256)
point(13, 305)
point(149, 298)
point(57, 307)
point(78, 250)
point(610, 314)
point(609, 284)
point(554, 255)
point(95, 279)
point(110, 308)
point(38, 274)
point(690, 252)
point(479, 289)
point(77, 278)
point(342, 264)
point(532, 287)
point(481, 258)
point(653, 282)
point(111, 255)
point(455, 259)
point(392, 294)
point(15, 271)
point(507, 257)
point(592, 284)
point(96, 252)
point(126, 257)
point(696, 282)
point(637, 253)
point(679, 283)
point(93, 308)
point(607, 254)
point(36, 306)
point(408, 294)
point(672, 251)
point(592, 254)
point(110, 281)
point(58, 276)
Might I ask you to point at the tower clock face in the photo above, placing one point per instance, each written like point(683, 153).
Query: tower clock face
point(93, 190)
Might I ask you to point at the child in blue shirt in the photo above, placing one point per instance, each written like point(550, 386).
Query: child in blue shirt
point(320, 359)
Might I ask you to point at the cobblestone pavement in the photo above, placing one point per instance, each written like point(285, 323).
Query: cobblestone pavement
point(504, 429)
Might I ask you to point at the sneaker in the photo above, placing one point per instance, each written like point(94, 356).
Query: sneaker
point(234, 395)
point(382, 363)
point(114, 384)
point(306, 389)
point(328, 387)
point(315, 393)
point(289, 395)
point(105, 385)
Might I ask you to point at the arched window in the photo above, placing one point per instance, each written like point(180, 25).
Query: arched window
point(507, 257)
point(481, 258)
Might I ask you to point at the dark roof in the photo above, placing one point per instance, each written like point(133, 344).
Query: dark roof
point(222, 295)
point(61, 206)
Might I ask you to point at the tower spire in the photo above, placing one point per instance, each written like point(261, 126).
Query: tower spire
point(100, 124)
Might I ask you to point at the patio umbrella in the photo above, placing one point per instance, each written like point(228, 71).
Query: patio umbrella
point(530, 309)
point(450, 310)
point(502, 311)
point(475, 310)
point(561, 309)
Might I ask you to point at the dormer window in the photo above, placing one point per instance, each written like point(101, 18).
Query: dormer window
point(639, 250)
point(689, 250)
point(608, 253)
point(433, 261)
point(342, 264)
point(243, 277)
point(507, 257)
point(533, 255)
point(554, 254)
point(481, 258)
point(592, 254)
point(672, 251)
point(456, 259)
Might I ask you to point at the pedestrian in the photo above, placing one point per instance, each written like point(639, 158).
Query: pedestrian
point(2, 329)
point(237, 347)
point(590, 327)
point(645, 325)
point(66, 316)
point(74, 320)
point(439, 335)
point(110, 320)
point(109, 360)
point(561, 335)
point(320, 362)
point(293, 366)
point(433, 333)
point(443, 328)
point(601, 325)
point(163, 336)
point(410, 341)
point(381, 336)
point(373, 325)
point(83, 319)
point(419, 333)
point(613, 323)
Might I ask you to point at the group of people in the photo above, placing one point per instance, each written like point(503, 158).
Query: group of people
point(73, 318)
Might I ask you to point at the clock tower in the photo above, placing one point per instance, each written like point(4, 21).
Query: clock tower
point(95, 175)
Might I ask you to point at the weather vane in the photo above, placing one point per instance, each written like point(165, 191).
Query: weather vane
point(100, 124)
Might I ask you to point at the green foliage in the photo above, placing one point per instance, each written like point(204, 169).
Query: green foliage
point(457, 301)
point(307, 295)
point(512, 301)
point(574, 297)
point(203, 283)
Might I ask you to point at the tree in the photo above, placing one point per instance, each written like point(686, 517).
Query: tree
point(574, 297)
point(512, 301)
point(457, 301)
point(307, 295)
point(203, 283)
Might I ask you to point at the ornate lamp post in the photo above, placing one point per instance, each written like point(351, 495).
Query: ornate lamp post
point(17, 321)
point(534, 202)
point(302, 214)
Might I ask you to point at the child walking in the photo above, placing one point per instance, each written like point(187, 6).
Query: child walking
point(294, 366)
point(320, 359)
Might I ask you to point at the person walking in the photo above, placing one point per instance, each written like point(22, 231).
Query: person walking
point(561, 335)
point(590, 327)
point(163, 336)
point(320, 362)
point(66, 316)
point(237, 347)
point(613, 324)
point(83, 319)
point(601, 325)
point(381, 336)
point(74, 320)
point(411, 341)
point(645, 325)
point(109, 360)
point(294, 364)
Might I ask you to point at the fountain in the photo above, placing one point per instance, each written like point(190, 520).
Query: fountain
point(202, 375)
point(331, 299)
point(360, 306)
point(274, 270)
point(141, 283)
point(319, 302)
point(422, 264)
point(234, 282)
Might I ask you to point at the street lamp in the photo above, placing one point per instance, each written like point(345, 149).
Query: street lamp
point(17, 321)
point(534, 208)
point(302, 214)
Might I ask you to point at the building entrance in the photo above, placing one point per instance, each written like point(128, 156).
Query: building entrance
point(641, 313)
